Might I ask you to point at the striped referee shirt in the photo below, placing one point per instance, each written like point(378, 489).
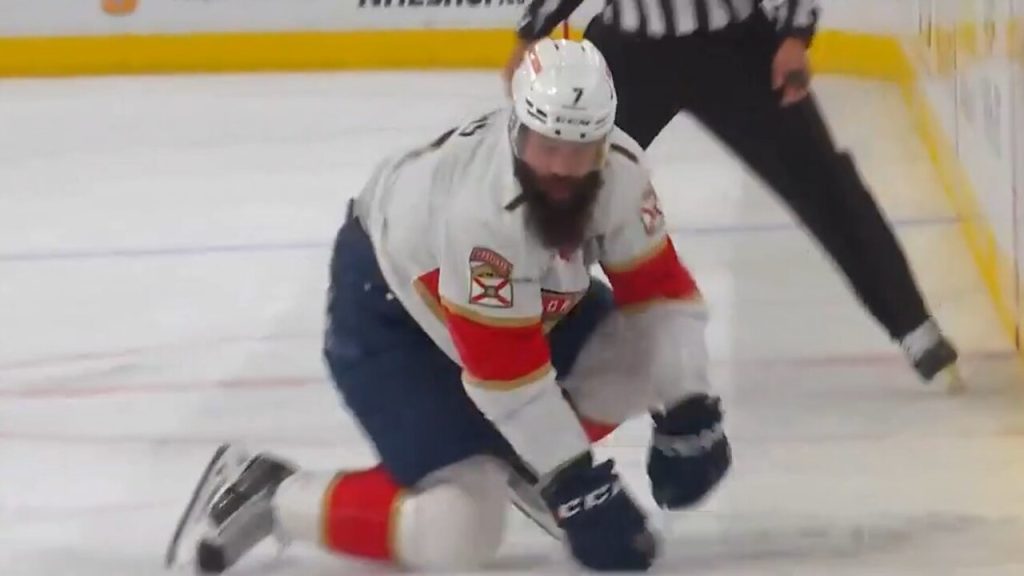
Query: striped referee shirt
point(660, 18)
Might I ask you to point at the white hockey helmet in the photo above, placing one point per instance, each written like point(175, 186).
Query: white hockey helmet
point(564, 90)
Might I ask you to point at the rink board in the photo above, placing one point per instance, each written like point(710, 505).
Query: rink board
point(62, 18)
point(834, 52)
point(968, 98)
point(60, 37)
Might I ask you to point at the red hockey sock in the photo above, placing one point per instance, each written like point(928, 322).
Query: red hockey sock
point(596, 431)
point(361, 512)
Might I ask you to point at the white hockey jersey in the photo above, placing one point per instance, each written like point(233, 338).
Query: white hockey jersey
point(457, 253)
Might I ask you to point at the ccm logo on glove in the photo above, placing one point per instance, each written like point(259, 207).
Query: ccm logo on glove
point(591, 500)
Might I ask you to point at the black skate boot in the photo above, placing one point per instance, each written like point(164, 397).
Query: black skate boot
point(232, 503)
point(932, 355)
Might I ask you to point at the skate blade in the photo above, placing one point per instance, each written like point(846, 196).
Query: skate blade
point(210, 483)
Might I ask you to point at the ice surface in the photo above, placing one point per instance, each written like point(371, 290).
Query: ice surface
point(163, 258)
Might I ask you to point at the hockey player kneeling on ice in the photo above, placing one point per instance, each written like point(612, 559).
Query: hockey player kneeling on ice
point(469, 340)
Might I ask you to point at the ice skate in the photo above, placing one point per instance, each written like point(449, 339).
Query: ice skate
point(933, 357)
point(229, 512)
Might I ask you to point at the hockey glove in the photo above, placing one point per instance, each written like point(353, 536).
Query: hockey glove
point(689, 453)
point(604, 528)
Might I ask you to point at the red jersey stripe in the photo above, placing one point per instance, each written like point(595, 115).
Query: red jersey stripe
point(659, 276)
point(499, 356)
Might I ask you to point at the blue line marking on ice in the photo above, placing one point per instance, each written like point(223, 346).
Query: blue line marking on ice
point(268, 247)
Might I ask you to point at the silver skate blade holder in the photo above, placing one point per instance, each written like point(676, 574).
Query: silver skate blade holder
point(241, 533)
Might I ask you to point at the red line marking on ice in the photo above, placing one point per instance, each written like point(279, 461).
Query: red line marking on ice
point(77, 357)
point(78, 439)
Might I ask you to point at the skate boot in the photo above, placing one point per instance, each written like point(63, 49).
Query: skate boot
point(932, 355)
point(231, 505)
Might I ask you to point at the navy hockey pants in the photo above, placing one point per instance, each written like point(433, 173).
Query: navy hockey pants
point(406, 393)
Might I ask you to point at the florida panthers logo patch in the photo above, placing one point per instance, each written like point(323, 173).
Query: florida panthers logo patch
point(490, 279)
point(650, 212)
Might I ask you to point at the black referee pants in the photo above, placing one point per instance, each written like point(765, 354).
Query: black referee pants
point(723, 79)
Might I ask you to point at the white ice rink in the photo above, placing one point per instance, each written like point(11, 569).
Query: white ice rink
point(163, 253)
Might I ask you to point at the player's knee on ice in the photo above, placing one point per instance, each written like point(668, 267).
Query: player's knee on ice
point(456, 518)
point(453, 520)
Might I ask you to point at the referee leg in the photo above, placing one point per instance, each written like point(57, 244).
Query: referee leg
point(791, 149)
point(645, 86)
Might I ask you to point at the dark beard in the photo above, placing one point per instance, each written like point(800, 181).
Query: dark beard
point(560, 225)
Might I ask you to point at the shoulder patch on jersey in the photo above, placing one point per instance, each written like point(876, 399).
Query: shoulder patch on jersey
point(625, 152)
point(490, 279)
point(651, 213)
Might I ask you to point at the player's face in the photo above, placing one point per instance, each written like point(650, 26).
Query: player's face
point(559, 166)
point(560, 181)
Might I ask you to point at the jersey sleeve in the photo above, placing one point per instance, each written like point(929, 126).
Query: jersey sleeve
point(638, 255)
point(542, 16)
point(657, 297)
point(491, 299)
